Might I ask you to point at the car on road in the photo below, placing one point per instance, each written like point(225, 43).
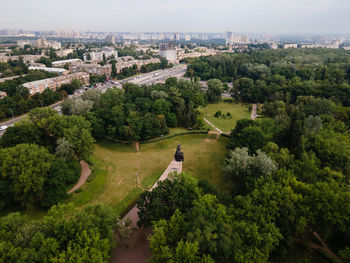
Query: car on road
point(3, 127)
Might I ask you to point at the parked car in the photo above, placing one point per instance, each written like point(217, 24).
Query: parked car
point(3, 127)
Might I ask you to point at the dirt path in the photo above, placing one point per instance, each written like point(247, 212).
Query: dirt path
point(138, 250)
point(212, 125)
point(253, 115)
point(85, 173)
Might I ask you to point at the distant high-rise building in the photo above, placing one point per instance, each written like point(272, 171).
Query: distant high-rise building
point(110, 39)
point(176, 36)
point(41, 42)
point(229, 38)
point(335, 43)
point(168, 51)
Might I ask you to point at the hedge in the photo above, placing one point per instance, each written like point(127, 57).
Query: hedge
point(174, 135)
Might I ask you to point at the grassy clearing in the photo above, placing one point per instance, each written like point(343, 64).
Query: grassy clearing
point(226, 125)
point(204, 158)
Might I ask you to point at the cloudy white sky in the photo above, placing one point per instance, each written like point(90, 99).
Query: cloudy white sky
point(273, 16)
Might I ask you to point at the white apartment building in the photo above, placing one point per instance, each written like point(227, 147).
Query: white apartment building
point(61, 63)
point(97, 56)
point(168, 50)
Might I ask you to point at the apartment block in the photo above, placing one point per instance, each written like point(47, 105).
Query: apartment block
point(53, 83)
point(26, 58)
point(91, 68)
point(127, 63)
point(64, 52)
point(61, 63)
point(285, 46)
point(59, 71)
point(97, 56)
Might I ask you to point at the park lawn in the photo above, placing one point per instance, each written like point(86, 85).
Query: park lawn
point(237, 111)
point(119, 186)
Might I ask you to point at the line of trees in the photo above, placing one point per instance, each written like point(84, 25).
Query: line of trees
point(267, 75)
point(140, 112)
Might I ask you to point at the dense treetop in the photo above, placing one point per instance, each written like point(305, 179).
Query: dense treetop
point(263, 75)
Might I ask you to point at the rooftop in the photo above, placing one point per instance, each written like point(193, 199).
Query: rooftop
point(65, 61)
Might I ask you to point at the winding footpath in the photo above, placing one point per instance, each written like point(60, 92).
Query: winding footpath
point(85, 173)
point(253, 115)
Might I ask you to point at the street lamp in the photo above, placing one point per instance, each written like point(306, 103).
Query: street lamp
point(137, 179)
point(106, 165)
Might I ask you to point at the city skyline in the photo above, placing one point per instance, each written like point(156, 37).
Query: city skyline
point(270, 16)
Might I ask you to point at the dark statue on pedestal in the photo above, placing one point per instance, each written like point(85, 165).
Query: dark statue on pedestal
point(179, 155)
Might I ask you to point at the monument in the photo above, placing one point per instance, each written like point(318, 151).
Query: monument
point(179, 155)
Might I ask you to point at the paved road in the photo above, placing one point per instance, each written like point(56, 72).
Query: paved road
point(19, 118)
point(160, 75)
point(153, 77)
point(147, 79)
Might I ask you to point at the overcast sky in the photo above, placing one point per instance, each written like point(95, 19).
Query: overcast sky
point(270, 16)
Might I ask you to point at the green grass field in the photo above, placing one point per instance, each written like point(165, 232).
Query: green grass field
point(119, 186)
point(226, 125)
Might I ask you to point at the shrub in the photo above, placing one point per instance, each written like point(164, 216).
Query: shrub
point(217, 114)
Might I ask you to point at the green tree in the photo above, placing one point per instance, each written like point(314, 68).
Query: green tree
point(124, 229)
point(24, 132)
point(64, 149)
point(215, 89)
point(114, 71)
point(246, 169)
point(161, 202)
point(245, 90)
point(26, 166)
point(62, 173)
point(171, 120)
point(252, 134)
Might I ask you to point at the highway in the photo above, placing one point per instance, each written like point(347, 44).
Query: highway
point(153, 77)
point(158, 76)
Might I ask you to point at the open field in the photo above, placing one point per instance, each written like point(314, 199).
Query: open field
point(226, 125)
point(119, 186)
